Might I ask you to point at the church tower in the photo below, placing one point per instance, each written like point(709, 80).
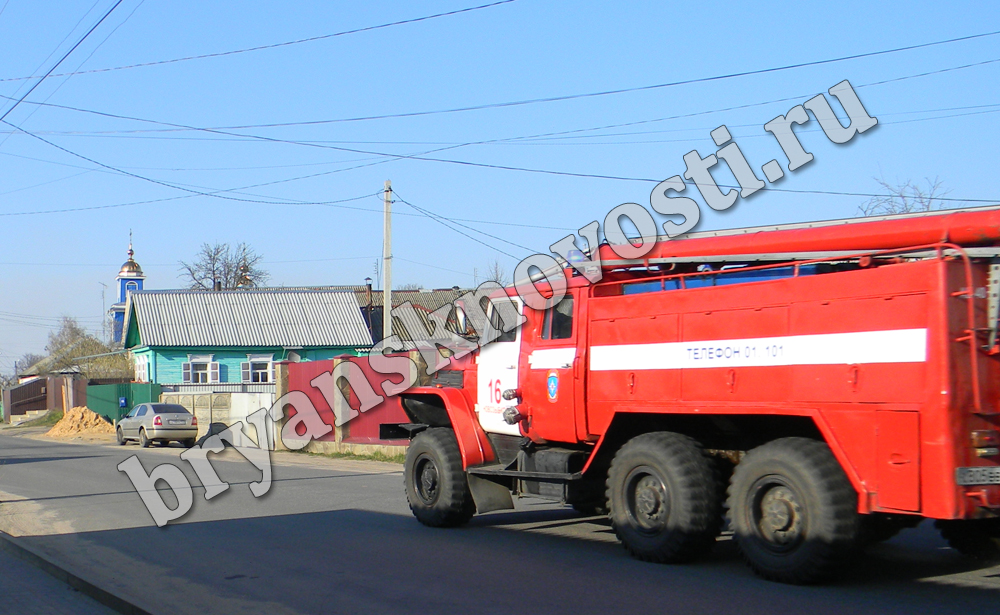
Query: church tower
point(129, 280)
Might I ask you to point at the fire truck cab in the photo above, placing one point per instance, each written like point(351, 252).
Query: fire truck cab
point(817, 386)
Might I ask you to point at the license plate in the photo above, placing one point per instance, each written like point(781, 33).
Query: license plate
point(977, 476)
point(176, 422)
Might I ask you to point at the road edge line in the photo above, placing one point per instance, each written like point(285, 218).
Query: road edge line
point(13, 546)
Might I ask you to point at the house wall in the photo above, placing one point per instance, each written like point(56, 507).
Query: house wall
point(165, 364)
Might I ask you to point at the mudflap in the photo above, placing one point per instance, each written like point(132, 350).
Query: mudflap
point(488, 495)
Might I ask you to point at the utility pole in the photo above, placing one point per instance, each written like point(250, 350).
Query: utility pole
point(104, 313)
point(387, 262)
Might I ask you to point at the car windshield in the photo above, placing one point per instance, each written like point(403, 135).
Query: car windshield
point(169, 409)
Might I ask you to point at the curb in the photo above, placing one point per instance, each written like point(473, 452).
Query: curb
point(13, 546)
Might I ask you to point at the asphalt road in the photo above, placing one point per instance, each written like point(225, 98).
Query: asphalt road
point(335, 536)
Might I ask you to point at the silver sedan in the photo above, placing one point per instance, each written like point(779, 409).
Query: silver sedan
point(158, 423)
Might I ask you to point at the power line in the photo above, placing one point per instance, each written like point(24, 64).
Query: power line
point(85, 60)
point(429, 213)
point(432, 266)
point(56, 65)
point(442, 222)
point(543, 139)
point(532, 101)
point(421, 157)
point(272, 45)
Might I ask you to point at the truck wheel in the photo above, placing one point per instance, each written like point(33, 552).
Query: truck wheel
point(436, 486)
point(665, 506)
point(975, 538)
point(793, 511)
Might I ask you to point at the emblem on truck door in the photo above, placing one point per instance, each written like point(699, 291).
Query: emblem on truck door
point(552, 385)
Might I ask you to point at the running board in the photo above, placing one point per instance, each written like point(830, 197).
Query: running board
point(544, 477)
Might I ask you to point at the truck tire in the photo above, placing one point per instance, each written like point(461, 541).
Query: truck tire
point(975, 538)
point(793, 511)
point(665, 506)
point(437, 489)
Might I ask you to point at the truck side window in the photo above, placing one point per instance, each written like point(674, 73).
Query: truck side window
point(494, 315)
point(558, 322)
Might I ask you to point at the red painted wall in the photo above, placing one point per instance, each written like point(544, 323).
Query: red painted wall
point(364, 428)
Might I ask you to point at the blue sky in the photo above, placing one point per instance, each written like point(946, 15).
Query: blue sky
point(942, 125)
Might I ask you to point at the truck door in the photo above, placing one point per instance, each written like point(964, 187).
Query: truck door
point(550, 390)
point(497, 367)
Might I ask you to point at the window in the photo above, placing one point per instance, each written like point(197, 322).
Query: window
point(257, 368)
point(142, 369)
point(558, 321)
point(256, 372)
point(131, 286)
point(169, 409)
point(142, 411)
point(200, 370)
point(497, 324)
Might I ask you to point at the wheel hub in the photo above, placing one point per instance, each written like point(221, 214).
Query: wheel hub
point(648, 498)
point(780, 515)
point(647, 502)
point(427, 480)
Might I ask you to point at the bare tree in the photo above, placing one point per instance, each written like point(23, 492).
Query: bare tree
point(904, 198)
point(26, 361)
point(69, 333)
point(496, 272)
point(230, 267)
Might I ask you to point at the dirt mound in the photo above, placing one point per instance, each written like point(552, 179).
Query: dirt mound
point(81, 420)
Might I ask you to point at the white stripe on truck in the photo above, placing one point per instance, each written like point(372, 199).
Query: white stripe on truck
point(895, 346)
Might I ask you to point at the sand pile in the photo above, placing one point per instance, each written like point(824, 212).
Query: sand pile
point(81, 420)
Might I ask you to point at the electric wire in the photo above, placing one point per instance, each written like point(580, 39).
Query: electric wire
point(431, 214)
point(272, 45)
point(441, 221)
point(532, 101)
point(61, 60)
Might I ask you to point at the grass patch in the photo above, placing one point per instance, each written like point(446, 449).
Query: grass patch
point(362, 457)
point(48, 419)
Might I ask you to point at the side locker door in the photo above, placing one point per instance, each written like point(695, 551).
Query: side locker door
point(497, 371)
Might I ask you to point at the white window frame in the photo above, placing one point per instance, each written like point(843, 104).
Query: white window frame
point(247, 371)
point(211, 367)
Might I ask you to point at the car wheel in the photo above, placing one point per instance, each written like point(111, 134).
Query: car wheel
point(120, 436)
point(164, 443)
point(188, 443)
point(143, 440)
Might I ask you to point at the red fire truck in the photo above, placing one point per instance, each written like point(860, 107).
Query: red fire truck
point(820, 386)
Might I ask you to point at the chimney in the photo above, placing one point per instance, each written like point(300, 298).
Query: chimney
point(218, 286)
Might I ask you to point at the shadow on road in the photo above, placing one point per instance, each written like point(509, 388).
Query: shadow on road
point(550, 561)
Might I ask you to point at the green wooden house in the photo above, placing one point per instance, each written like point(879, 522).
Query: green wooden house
point(228, 341)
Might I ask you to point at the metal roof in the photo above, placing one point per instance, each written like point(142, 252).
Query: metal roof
point(430, 299)
point(246, 318)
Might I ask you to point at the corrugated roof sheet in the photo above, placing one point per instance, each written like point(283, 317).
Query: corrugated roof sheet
point(431, 299)
point(248, 318)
